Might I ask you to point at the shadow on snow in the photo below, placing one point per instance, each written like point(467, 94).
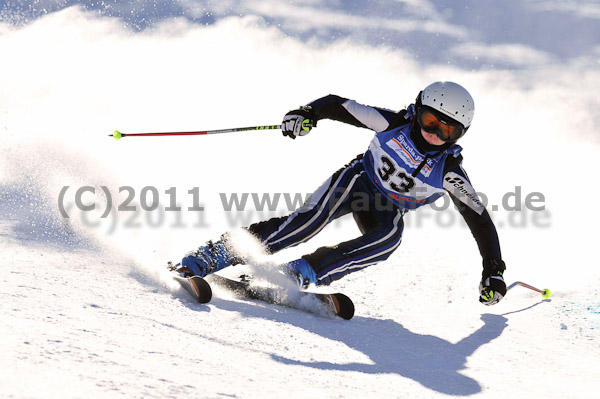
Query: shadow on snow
point(431, 361)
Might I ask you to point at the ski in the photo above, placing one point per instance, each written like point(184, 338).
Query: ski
point(197, 287)
point(336, 303)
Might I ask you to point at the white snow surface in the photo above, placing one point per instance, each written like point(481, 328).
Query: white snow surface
point(87, 309)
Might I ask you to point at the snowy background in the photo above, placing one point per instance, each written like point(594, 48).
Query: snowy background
point(86, 308)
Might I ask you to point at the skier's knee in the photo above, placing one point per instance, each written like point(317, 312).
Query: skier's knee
point(364, 220)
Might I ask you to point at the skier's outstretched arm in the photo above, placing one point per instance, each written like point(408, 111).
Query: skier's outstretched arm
point(349, 111)
point(492, 287)
point(300, 121)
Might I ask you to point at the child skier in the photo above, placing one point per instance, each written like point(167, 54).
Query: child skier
point(412, 160)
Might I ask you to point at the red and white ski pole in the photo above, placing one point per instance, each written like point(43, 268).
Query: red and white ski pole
point(545, 292)
point(117, 134)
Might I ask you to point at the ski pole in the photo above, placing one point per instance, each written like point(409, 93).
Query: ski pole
point(545, 292)
point(117, 134)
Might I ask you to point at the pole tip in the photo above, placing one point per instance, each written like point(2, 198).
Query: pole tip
point(117, 135)
point(546, 294)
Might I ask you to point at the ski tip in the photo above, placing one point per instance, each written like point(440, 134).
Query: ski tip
point(202, 288)
point(346, 310)
point(197, 287)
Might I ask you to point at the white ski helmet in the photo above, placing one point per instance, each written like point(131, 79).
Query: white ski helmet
point(451, 99)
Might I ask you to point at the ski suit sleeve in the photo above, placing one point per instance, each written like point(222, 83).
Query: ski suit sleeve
point(349, 111)
point(462, 193)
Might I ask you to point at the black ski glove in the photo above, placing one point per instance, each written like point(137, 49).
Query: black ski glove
point(492, 287)
point(298, 122)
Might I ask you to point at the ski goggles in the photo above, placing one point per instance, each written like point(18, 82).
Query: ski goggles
point(436, 123)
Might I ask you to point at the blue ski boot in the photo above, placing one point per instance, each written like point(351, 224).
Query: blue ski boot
point(205, 260)
point(302, 272)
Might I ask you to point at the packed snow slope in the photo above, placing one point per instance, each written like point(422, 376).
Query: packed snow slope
point(87, 223)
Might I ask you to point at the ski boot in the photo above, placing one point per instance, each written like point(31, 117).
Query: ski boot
point(203, 261)
point(302, 272)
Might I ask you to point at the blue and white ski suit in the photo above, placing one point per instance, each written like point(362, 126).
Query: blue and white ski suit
point(378, 188)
